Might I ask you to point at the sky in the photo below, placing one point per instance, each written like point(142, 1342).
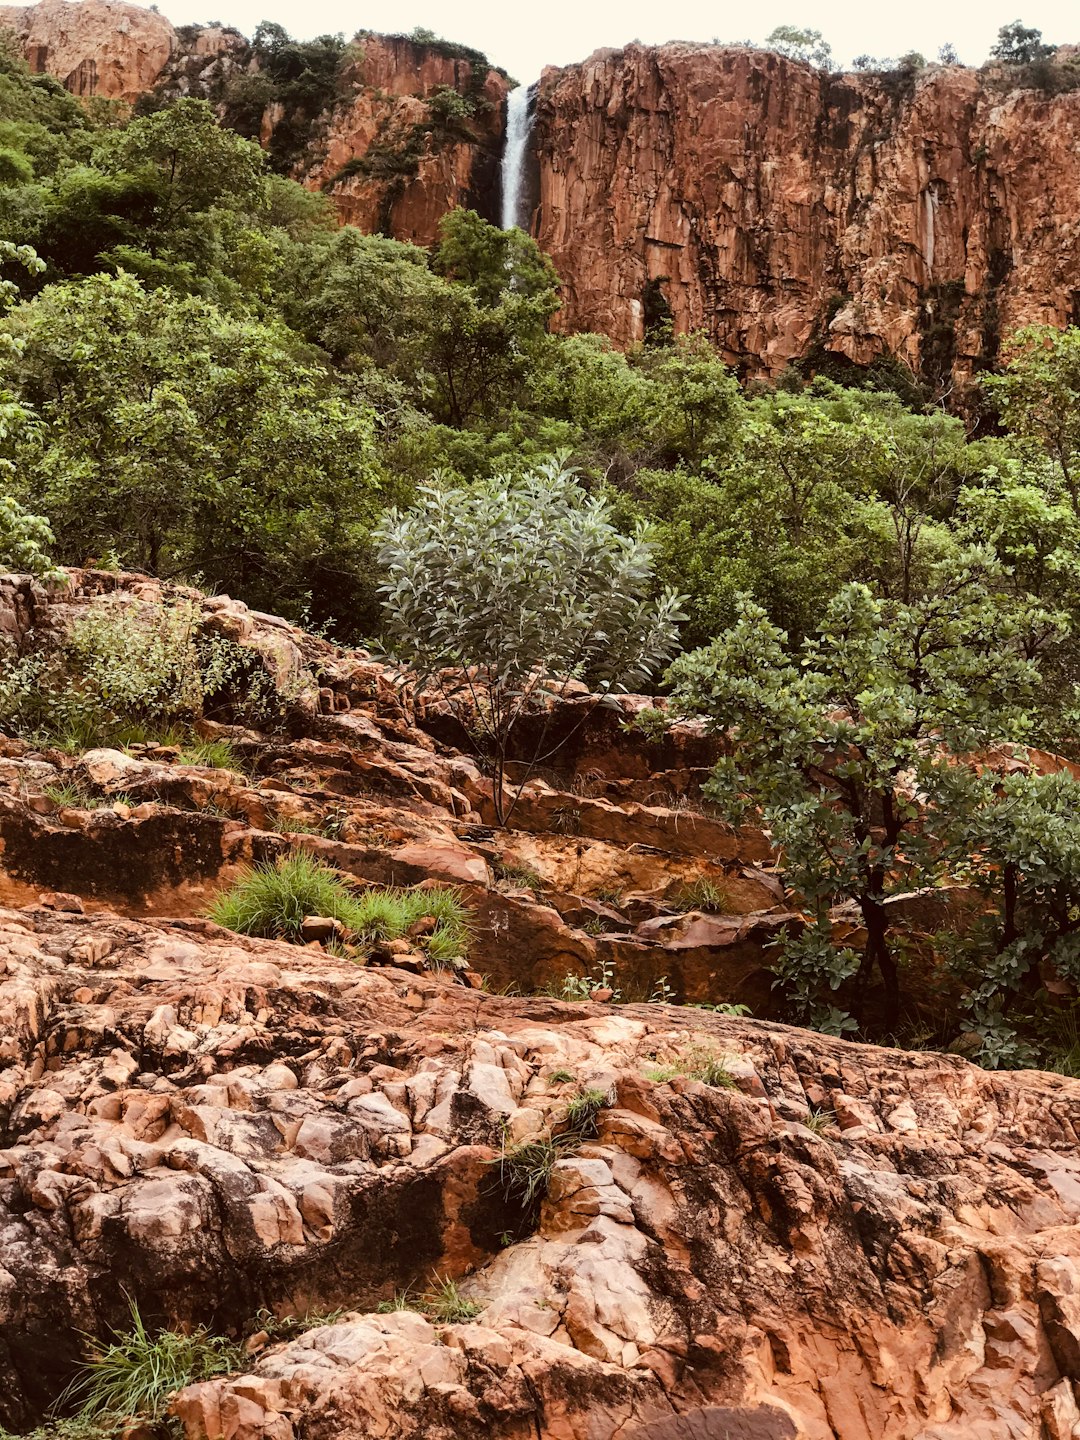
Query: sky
point(525, 36)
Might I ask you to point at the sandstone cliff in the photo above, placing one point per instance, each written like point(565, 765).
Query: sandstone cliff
point(391, 158)
point(834, 219)
point(107, 47)
point(781, 209)
point(744, 1230)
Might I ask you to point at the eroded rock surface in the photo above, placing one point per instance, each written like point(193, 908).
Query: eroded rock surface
point(95, 47)
point(216, 1125)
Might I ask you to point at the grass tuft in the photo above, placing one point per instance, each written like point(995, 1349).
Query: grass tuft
point(697, 1063)
point(213, 754)
point(582, 1110)
point(819, 1121)
point(704, 894)
point(445, 1304)
point(273, 900)
point(135, 1374)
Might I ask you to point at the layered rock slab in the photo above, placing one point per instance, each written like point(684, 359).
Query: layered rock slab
point(214, 1125)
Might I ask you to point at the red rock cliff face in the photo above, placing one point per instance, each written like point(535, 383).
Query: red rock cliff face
point(105, 47)
point(782, 210)
point(388, 160)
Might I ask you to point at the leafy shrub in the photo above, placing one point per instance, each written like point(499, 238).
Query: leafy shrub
point(24, 542)
point(128, 671)
point(507, 592)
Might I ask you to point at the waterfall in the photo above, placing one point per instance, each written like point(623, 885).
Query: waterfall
point(518, 120)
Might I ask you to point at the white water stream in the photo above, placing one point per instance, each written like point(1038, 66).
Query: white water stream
point(518, 123)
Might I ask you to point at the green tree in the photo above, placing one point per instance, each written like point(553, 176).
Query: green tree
point(1017, 44)
point(505, 593)
point(494, 262)
point(1039, 396)
point(1018, 842)
point(194, 164)
point(835, 744)
point(800, 44)
point(187, 441)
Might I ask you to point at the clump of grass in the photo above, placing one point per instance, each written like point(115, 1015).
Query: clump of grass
point(135, 1374)
point(525, 1168)
point(562, 1077)
point(610, 895)
point(401, 1300)
point(819, 1121)
point(442, 1302)
point(697, 1063)
point(518, 877)
point(70, 796)
point(704, 894)
point(214, 754)
point(273, 900)
point(284, 1327)
point(582, 1110)
point(445, 1304)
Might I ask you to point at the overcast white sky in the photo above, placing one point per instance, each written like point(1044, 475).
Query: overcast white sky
point(525, 35)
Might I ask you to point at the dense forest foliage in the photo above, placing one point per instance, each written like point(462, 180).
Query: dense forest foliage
point(204, 377)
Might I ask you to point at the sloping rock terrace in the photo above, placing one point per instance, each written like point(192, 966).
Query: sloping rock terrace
point(827, 1240)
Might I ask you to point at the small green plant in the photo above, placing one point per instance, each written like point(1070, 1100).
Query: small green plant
point(135, 1374)
point(610, 895)
point(581, 987)
point(663, 992)
point(721, 1008)
point(562, 1077)
point(582, 1110)
point(697, 1063)
point(704, 894)
point(445, 1304)
point(213, 754)
point(518, 877)
point(819, 1121)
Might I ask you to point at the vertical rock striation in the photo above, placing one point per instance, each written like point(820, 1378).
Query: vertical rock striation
point(790, 213)
point(402, 151)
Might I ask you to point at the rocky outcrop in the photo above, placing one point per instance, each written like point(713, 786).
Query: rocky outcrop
point(106, 48)
point(826, 1240)
point(432, 1211)
point(792, 214)
point(394, 157)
